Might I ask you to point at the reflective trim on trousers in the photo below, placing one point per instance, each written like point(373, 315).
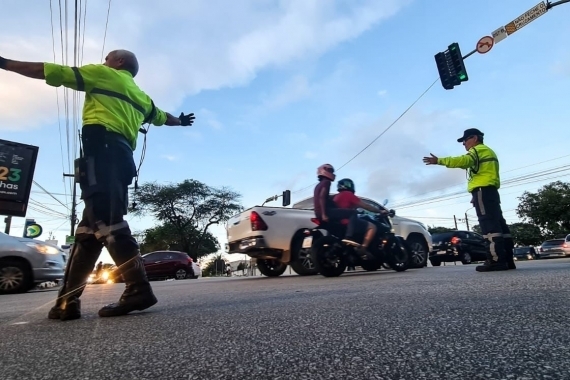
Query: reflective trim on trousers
point(104, 231)
point(84, 231)
point(492, 248)
point(480, 201)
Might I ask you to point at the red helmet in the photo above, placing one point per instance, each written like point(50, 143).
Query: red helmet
point(326, 171)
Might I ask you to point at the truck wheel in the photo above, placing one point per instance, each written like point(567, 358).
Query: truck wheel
point(328, 256)
point(302, 263)
point(271, 267)
point(419, 251)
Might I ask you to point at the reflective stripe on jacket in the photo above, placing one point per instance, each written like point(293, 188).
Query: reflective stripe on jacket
point(481, 164)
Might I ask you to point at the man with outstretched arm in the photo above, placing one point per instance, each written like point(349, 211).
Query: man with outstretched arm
point(484, 181)
point(113, 111)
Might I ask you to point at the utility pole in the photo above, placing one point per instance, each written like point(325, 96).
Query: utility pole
point(455, 220)
point(73, 216)
point(8, 221)
point(466, 219)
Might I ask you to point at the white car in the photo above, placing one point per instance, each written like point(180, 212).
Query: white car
point(274, 237)
point(26, 262)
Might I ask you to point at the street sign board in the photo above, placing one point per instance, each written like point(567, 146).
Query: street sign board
point(17, 166)
point(526, 18)
point(485, 44)
point(499, 34)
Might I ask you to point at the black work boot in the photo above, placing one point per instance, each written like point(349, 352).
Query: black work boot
point(80, 265)
point(138, 294)
point(509, 253)
point(492, 266)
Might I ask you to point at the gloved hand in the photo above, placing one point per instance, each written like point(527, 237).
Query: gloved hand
point(186, 120)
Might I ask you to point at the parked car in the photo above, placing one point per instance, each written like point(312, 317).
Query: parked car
point(554, 248)
point(525, 253)
point(169, 264)
point(464, 246)
point(24, 263)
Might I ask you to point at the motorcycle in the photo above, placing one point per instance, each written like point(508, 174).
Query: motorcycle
point(331, 256)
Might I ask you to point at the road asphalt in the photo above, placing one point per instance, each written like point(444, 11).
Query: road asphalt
point(432, 323)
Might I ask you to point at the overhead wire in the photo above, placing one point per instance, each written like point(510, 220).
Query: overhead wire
point(51, 195)
point(57, 103)
point(106, 26)
point(381, 133)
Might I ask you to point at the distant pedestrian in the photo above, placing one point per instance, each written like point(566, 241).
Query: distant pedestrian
point(482, 167)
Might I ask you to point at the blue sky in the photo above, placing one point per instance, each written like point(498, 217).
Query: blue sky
point(280, 87)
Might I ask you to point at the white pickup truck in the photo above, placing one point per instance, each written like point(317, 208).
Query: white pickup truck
point(274, 237)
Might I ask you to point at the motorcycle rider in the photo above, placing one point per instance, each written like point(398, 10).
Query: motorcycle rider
point(346, 199)
point(325, 209)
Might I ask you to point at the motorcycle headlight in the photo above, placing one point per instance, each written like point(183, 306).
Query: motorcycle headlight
point(105, 276)
point(43, 248)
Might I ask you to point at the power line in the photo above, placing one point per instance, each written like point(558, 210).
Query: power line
point(57, 101)
point(48, 193)
point(106, 26)
point(380, 135)
point(518, 182)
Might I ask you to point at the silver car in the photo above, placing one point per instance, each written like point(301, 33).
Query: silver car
point(25, 263)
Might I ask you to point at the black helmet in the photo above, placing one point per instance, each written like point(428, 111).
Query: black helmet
point(345, 184)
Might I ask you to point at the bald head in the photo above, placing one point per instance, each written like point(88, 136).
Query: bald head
point(123, 60)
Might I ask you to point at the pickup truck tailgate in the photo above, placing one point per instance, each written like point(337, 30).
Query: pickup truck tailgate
point(239, 226)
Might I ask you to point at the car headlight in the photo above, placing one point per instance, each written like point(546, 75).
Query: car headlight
point(105, 276)
point(45, 249)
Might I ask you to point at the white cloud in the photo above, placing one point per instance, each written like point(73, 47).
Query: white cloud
point(392, 167)
point(382, 93)
point(311, 155)
point(205, 45)
point(193, 135)
point(170, 157)
point(210, 118)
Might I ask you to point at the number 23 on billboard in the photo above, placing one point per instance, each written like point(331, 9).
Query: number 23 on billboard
point(10, 174)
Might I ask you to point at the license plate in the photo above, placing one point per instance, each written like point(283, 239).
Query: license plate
point(308, 242)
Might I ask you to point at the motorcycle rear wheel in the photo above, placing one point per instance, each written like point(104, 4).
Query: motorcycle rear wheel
point(399, 257)
point(328, 257)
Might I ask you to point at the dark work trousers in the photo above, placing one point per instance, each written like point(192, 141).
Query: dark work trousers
point(494, 228)
point(336, 215)
point(106, 170)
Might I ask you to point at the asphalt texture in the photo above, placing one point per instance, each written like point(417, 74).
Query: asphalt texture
point(432, 323)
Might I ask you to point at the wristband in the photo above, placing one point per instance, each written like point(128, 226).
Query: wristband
point(3, 62)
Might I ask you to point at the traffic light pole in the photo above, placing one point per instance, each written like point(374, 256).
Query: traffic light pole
point(452, 71)
point(550, 5)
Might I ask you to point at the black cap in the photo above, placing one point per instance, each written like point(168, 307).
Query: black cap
point(470, 132)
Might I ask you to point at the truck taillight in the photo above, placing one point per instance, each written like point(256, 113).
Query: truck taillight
point(316, 221)
point(257, 224)
point(455, 240)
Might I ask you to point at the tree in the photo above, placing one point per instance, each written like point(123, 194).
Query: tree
point(185, 211)
point(438, 230)
point(165, 236)
point(210, 269)
point(548, 208)
point(526, 234)
point(477, 228)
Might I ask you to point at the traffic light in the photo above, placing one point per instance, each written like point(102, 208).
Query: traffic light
point(451, 67)
point(457, 63)
point(286, 198)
